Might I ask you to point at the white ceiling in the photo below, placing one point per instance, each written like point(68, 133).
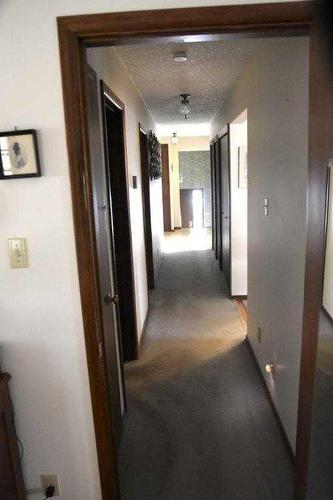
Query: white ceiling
point(208, 75)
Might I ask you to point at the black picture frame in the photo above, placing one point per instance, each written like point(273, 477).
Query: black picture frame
point(4, 172)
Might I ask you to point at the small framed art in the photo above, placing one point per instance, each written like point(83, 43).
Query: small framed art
point(19, 154)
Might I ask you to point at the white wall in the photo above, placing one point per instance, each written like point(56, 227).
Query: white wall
point(41, 321)
point(274, 89)
point(238, 198)
point(109, 67)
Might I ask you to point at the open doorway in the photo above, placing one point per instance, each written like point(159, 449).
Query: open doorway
point(191, 208)
point(192, 302)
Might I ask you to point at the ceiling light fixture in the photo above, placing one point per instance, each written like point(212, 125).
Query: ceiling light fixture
point(174, 138)
point(184, 105)
point(180, 56)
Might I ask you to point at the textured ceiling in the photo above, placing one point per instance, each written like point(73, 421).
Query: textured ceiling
point(208, 75)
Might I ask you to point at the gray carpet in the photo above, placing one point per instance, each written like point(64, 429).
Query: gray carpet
point(199, 425)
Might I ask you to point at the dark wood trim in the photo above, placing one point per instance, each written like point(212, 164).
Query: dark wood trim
point(277, 18)
point(274, 408)
point(145, 190)
point(72, 67)
point(77, 32)
point(114, 99)
point(218, 210)
point(239, 297)
point(119, 187)
point(212, 187)
point(225, 132)
point(320, 155)
point(166, 188)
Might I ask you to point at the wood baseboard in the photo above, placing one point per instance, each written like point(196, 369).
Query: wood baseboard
point(274, 408)
point(242, 312)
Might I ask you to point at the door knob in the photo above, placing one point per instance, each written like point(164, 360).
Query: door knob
point(111, 299)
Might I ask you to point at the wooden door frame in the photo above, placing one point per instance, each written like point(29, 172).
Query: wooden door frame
point(215, 234)
point(218, 200)
point(166, 190)
point(145, 191)
point(79, 31)
point(226, 132)
point(129, 311)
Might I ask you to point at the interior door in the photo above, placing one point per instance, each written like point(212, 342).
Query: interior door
point(117, 186)
point(145, 183)
point(186, 207)
point(212, 173)
point(218, 201)
point(110, 342)
point(225, 256)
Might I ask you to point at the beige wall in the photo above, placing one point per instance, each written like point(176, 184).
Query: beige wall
point(274, 89)
point(184, 144)
point(110, 68)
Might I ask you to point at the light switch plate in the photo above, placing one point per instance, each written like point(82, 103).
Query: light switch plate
point(18, 252)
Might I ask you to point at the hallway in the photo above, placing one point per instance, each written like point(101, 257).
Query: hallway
point(199, 425)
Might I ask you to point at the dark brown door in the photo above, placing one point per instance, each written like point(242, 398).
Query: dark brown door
point(218, 201)
point(116, 178)
point(109, 343)
point(166, 187)
point(225, 255)
point(212, 174)
point(145, 183)
point(186, 207)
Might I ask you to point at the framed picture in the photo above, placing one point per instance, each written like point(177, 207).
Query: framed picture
point(327, 301)
point(19, 154)
point(242, 167)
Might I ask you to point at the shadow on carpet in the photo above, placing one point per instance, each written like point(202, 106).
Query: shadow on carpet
point(199, 426)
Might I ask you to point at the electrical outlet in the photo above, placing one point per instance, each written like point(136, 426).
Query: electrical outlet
point(259, 334)
point(50, 480)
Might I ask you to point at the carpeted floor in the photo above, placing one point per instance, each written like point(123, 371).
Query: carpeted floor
point(199, 425)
